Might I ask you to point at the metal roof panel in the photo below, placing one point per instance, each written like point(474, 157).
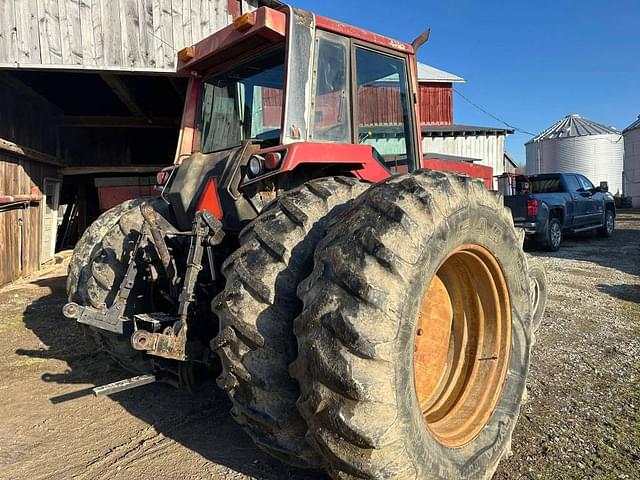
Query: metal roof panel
point(573, 126)
point(633, 126)
point(427, 73)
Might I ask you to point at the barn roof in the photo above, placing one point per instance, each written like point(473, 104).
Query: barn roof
point(427, 73)
point(462, 130)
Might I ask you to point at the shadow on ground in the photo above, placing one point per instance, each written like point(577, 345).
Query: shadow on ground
point(200, 421)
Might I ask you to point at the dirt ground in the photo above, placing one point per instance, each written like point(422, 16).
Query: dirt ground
point(582, 419)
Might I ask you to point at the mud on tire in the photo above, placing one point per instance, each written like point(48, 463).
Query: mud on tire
point(97, 267)
point(257, 308)
point(357, 331)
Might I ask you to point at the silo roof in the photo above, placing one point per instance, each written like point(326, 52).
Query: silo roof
point(633, 126)
point(573, 126)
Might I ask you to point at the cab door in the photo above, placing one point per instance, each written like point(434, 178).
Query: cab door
point(578, 201)
point(384, 108)
point(594, 204)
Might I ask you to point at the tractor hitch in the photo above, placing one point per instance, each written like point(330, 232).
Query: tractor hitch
point(172, 342)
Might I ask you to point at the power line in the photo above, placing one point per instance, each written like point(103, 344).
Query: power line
point(493, 116)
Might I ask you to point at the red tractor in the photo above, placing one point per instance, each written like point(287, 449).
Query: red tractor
point(372, 323)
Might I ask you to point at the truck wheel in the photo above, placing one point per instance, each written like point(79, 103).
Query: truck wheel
point(98, 264)
point(553, 237)
point(414, 339)
point(609, 224)
point(537, 290)
point(257, 308)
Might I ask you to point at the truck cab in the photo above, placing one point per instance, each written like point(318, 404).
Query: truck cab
point(548, 205)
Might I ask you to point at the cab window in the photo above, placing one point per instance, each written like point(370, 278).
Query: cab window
point(243, 102)
point(572, 183)
point(384, 109)
point(585, 183)
point(331, 112)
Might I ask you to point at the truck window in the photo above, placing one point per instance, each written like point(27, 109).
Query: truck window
point(546, 185)
point(572, 183)
point(585, 183)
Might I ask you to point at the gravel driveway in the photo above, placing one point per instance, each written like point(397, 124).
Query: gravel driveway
point(582, 419)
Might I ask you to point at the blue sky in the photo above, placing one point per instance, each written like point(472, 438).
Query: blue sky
point(527, 62)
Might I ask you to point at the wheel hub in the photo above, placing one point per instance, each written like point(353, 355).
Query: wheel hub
point(462, 346)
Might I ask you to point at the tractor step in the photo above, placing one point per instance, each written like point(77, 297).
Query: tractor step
point(122, 385)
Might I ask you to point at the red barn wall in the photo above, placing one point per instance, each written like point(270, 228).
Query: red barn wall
point(436, 103)
point(377, 105)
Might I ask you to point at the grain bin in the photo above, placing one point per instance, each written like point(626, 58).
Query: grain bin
point(576, 144)
point(631, 171)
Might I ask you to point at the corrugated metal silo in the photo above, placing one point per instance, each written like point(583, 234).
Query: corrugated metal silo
point(575, 144)
point(631, 173)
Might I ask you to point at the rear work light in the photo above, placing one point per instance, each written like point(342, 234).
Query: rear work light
point(532, 207)
point(272, 160)
point(209, 199)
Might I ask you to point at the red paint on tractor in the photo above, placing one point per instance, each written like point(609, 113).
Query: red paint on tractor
point(324, 23)
point(358, 157)
point(226, 45)
point(187, 139)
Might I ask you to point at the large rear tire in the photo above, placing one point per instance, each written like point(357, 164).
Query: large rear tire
point(96, 269)
point(257, 308)
point(410, 255)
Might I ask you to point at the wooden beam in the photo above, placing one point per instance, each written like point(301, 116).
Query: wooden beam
point(24, 89)
point(119, 122)
point(93, 169)
point(123, 93)
point(30, 153)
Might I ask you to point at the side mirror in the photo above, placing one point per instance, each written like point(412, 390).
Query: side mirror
point(604, 187)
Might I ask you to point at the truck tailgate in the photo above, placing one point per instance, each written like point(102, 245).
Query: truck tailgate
point(518, 206)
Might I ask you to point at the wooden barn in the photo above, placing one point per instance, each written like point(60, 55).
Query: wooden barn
point(89, 110)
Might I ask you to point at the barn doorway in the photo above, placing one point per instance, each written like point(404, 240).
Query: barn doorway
point(51, 200)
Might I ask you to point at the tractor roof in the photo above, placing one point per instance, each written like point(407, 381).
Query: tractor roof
point(261, 28)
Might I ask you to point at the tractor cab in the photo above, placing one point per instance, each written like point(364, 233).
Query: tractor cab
point(282, 91)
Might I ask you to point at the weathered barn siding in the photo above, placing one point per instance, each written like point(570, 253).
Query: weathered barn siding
point(27, 142)
point(436, 103)
point(135, 35)
point(21, 225)
point(488, 148)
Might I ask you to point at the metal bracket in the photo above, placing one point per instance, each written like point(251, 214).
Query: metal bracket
point(172, 342)
point(166, 345)
point(106, 319)
point(122, 385)
point(112, 318)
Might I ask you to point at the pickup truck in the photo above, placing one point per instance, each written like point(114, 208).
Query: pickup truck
point(548, 205)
